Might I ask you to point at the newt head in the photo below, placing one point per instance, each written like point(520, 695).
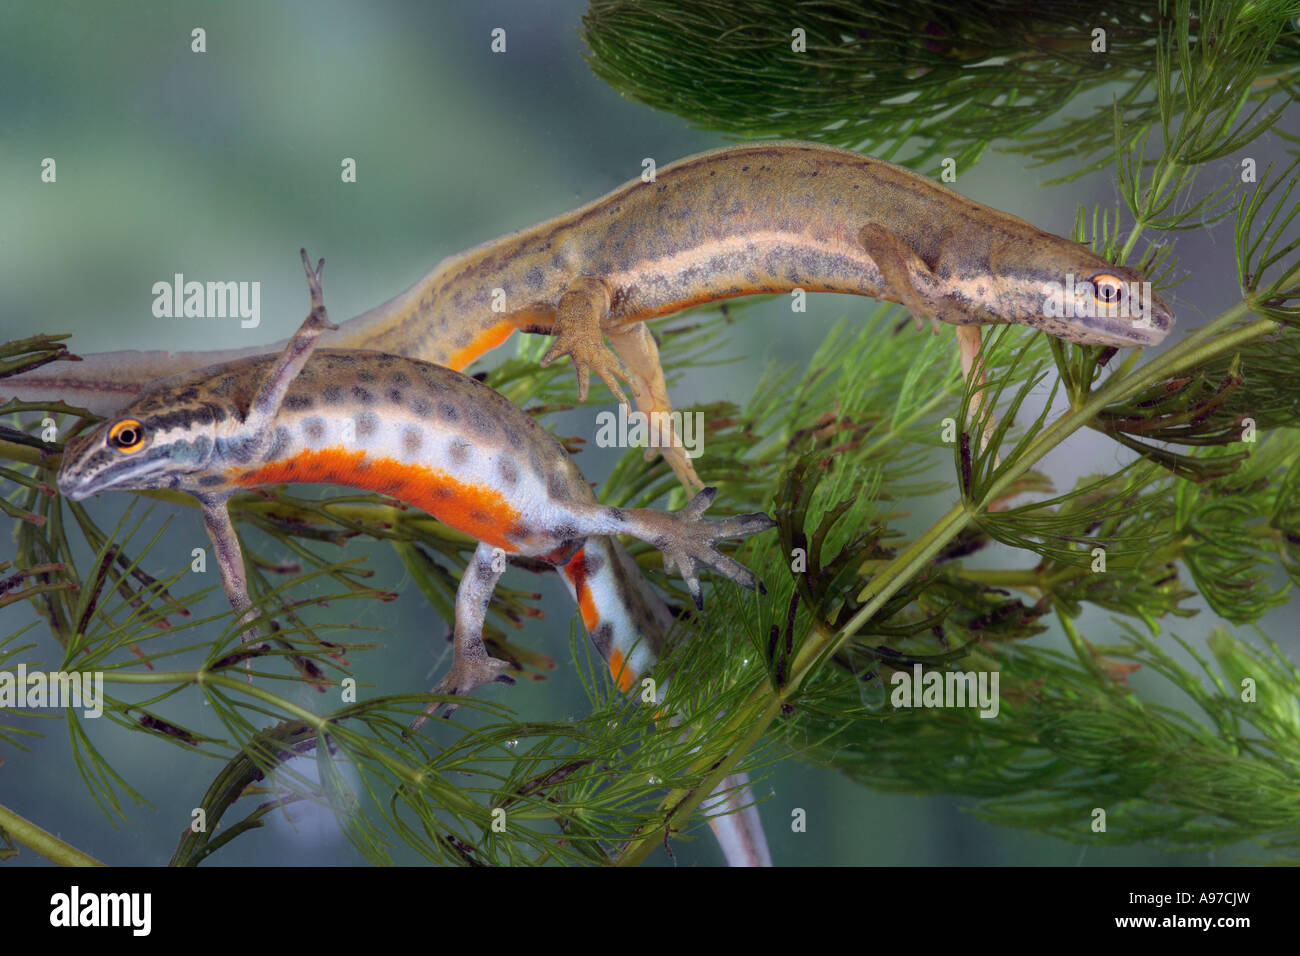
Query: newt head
point(1067, 290)
point(162, 439)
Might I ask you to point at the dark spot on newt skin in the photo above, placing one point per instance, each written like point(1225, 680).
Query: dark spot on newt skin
point(449, 411)
point(226, 385)
point(508, 471)
point(209, 481)
point(458, 452)
point(365, 376)
point(557, 487)
point(314, 429)
point(332, 394)
point(297, 401)
point(435, 377)
point(593, 563)
point(442, 491)
point(480, 422)
point(395, 396)
point(514, 438)
point(534, 277)
point(412, 440)
point(363, 396)
point(367, 424)
point(616, 513)
point(565, 532)
point(280, 447)
point(400, 379)
point(422, 407)
point(603, 635)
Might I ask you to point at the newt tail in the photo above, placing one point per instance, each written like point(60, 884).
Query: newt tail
point(628, 623)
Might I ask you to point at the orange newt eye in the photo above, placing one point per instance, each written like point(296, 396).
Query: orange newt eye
point(1107, 289)
point(126, 435)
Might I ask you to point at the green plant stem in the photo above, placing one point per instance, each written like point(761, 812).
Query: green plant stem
point(1152, 197)
point(46, 844)
point(24, 454)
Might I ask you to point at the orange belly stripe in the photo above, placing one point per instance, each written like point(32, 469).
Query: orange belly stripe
point(623, 676)
point(485, 341)
point(473, 509)
point(576, 570)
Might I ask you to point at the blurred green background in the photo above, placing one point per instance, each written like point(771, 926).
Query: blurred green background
point(221, 165)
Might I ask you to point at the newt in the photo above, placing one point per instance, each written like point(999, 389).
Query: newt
point(764, 217)
point(434, 438)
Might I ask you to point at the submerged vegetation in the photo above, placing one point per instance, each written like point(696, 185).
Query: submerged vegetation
point(1207, 506)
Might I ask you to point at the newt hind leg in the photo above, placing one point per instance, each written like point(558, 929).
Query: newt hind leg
point(905, 276)
point(472, 665)
point(636, 347)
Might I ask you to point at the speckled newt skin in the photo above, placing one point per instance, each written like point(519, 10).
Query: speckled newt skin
point(422, 433)
point(740, 220)
point(431, 437)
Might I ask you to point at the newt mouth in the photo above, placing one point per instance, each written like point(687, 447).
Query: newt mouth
point(1121, 330)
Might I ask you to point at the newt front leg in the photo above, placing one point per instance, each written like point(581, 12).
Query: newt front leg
point(230, 562)
point(579, 333)
point(472, 665)
point(907, 278)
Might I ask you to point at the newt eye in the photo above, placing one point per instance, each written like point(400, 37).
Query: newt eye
point(1107, 289)
point(126, 435)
